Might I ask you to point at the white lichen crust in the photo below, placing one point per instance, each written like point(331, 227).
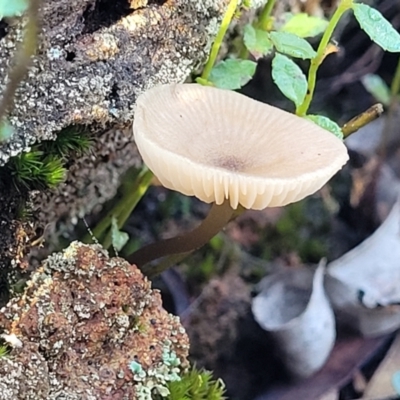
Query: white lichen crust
point(84, 320)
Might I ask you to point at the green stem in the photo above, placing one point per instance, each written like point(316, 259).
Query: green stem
point(265, 15)
point(125, 206)
point(395, 87)
point(230, 12)
point(217, 218)
point(321, 53)
point(23, 58)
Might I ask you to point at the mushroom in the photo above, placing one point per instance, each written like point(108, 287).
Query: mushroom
point(229, 150)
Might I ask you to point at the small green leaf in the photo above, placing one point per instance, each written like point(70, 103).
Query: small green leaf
point(232, 74)
point(377, 87)
point(374, 24)
point(257, 41)
point(396, 382)
point(119, 239)
point(304, 25)
point(6, 131)
point(289, 78)
point(11, 8)
point(292, 45)
point(326, 123)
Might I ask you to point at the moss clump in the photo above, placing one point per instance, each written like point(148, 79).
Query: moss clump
point(35, 170)
point(70, 141)
point(196, 384)
point(4, 350)
point(45, 166)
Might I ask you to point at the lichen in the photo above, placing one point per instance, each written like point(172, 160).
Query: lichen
point(154, 381)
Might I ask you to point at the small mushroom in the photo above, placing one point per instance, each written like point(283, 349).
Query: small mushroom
point(229, 150)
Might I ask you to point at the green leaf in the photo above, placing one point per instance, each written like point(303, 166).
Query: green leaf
point(292, 45)
point(396, 382)
point(377, 87)
point(118, 238)
point(289, 78)
point(257, 41)
point(374, 24)
point(304, 25)
point(6, 131)
point(327, 124)
point(11, 8)
point(232, 74)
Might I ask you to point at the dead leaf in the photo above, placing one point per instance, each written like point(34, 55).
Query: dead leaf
point(364, 283)
point(294, 308)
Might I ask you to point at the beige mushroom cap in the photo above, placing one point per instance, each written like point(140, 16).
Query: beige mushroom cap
point(217, 144)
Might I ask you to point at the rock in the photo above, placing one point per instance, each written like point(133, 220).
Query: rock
point(91, 327)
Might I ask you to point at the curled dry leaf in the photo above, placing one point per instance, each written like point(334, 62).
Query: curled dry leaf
point(364, 283)
point(294, 308)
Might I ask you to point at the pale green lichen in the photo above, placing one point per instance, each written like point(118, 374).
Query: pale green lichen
point(154, 381)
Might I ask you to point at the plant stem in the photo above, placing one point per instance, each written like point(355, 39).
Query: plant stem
point(217, 218)
point(22, 58)
point(395, 86)
point(262, 23)
point(321, 53)
point(230, 12)
point(124, 207)
point(363, 119)
point(265, 15)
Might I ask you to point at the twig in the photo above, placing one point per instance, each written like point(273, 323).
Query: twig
point(362, 119)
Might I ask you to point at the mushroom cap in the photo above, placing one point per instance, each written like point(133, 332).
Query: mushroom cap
point(217, 144)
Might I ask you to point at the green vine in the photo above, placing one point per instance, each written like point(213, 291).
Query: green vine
point(122, 210)
point(344, 5)
point(230, 12)
point(264, 19)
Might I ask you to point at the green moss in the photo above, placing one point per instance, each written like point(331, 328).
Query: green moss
point(70, 141)
point(196, 384)
point(45, 166)
point(4, 350)
point(35, 170)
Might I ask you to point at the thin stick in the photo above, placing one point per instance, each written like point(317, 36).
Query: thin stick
point(363, 119)
point(344, 5)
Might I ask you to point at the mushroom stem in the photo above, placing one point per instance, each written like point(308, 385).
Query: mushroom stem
point(217, 218)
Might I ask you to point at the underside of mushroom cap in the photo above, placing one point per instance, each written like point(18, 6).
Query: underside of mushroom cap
point(217, 144)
